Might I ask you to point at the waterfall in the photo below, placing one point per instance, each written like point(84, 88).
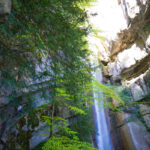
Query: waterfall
point(108, 18)
point(103, 137)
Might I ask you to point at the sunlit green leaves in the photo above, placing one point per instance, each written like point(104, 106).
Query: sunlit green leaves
point(46, 39)
point(68, 141)
point(77, 110)
point(65, 143)
point(107, 91)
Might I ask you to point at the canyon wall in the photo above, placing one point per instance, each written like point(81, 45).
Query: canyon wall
point(126, 64)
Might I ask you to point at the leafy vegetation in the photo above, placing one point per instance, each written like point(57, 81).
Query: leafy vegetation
point(62, 137)
point(44, 50)
point(65, 143)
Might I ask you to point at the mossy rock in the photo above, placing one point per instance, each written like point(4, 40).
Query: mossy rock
point(39, 147)
point(21, 122)
point(23, 138)
point(33, 120)
point(12, 144)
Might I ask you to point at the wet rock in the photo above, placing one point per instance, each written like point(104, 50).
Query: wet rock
point(145, 111)
point(115, 80)
point(39, 136)
point(139, 135)
point(1, 147)
point(137, 91)
point(128, 64)
point(28, 130)
point(4, 101)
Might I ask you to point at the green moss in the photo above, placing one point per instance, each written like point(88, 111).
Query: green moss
point(144, 122)
point(21, 122)
point(33, 119)
point(23, 139)
point(12, 143)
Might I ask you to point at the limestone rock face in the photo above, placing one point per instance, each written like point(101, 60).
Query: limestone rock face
point(5, 9)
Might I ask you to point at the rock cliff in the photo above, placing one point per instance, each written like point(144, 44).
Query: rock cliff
point(124, 54)
point(126, 63)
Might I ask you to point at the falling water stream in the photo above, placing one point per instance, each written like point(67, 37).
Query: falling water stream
point(104, 16)
point(103, 138)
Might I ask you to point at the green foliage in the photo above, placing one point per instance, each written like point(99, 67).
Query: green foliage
point(96, 34)
point(65, 139)
point(44, 50)
point(84, 126)
point(65, 143)
point(125, 95)
point(106, 92)
point(49, 35)
point(76, 110)
point(141, 117)
point(39, 147)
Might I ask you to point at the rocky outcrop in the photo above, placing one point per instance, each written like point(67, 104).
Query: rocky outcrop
point(137, 69)
point(130, 52)
point(128, 65)
point(137, 33)
point(5, 9)
point(29, 130)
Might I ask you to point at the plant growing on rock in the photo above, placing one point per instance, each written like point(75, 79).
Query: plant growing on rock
point(62, 137)
point(44, 51)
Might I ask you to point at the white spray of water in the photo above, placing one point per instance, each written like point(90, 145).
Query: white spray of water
point(108, 17)
point(103, 137)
